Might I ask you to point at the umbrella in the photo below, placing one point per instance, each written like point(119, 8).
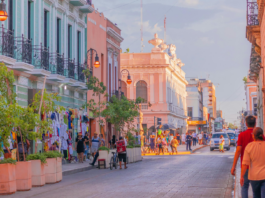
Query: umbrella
point(166, 127)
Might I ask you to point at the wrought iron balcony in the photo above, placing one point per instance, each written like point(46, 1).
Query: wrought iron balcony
point(41, 57)
point(23, 52)
point(57, 64)
point(70, 68)
point(252, 13)
point(7, 42)
point(81, 75)
point(176, 110)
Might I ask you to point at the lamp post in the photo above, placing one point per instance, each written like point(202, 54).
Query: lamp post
point(89, 54)
point(129, 80)
point(3, 13)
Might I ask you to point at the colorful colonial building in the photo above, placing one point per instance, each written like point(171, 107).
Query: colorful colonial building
point(158, 78)
point(46, 38)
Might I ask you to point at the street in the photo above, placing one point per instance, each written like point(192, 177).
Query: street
point(202, 174)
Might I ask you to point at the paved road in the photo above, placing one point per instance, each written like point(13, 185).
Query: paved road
point(202, 174)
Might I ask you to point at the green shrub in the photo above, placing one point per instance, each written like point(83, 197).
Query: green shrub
point(8, 161)
point(37, 156)
point(129, 146)
point(103, 148)
point(136, 145)
point(52, 154)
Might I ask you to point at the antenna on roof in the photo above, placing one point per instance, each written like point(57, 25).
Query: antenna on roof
point(165, 29)
point(142, 39)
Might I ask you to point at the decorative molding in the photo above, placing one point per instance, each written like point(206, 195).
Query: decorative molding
point(102, 27)
point(92, 21)
point(114, 44)
point(23, 81)
point(114, 34)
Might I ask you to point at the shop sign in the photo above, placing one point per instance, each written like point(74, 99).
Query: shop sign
point(196, 122)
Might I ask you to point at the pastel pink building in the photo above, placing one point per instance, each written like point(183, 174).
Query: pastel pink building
point(158, 78)
point(105, 37)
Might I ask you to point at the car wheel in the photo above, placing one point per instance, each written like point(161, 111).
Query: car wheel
point(228, 148)
point(211, 149)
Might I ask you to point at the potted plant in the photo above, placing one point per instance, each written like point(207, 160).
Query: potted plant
point(130, 156)
point(59, 173)
point(8, 176)
point(104, 154)
point(137, 152)
point(50, 167)
point(37, 169)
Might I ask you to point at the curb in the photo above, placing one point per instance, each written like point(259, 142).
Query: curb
point(199, 148)
point(77, 170)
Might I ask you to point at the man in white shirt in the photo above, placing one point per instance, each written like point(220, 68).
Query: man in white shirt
point(194, 135)
point(200, 138)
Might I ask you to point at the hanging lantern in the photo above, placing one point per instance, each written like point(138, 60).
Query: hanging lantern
point(96, 63)
point(129, 81)
point(3, 13)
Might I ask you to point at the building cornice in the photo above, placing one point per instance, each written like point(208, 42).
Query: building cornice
point(114, 34)
point(114, 44)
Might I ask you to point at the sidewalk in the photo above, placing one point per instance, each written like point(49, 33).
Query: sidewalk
point(182, 150)
point(237, 186)
point(72, 168)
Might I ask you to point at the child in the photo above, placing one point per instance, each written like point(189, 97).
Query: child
point(221, 144)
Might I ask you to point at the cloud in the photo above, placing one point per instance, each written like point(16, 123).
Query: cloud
point(152, 30)
point(191, 2)
point(205, 41)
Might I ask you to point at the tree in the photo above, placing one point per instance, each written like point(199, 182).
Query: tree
point(98, 89)
point(127, 50)
point(121, 113)
point(232, 126)
point(245, 79)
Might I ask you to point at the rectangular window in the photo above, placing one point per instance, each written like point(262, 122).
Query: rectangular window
point(58, 49)
point(45, 28)
point(115, 78)
point(79, 46)
point(69, 41)
point(29, 16)
point(190, 112)
point(109, 79)
point(10, 15)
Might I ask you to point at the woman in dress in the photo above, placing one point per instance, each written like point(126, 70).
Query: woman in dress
point(221, 144)
point(80, 147)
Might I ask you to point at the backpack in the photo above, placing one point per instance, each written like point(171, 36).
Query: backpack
point(121, 146)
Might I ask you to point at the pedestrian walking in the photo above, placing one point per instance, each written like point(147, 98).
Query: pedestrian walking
point(188, 141)
point(183, 138)
point(121, 150)
point(244, 139)
point(204, 138)
point(80, 147)
point(200, 138)
point(152, 143)
point(194, 135)
point(86, 139)
point(221, 144)
point(254, 160)
point(174, 145)
point(94, 144)
point(178, 138)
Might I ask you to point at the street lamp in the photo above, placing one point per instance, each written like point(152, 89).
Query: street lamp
point(129, 80)
point(90, 53)
point(3, 13)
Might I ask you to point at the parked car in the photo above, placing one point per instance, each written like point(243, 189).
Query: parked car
point(232, 137)
point(214, 144)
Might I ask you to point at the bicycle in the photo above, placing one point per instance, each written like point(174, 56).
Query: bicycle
point(114, 160)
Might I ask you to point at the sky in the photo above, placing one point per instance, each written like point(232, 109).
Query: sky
point(210, 37)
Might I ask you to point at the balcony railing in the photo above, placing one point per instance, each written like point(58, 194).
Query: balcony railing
point(22, 49)
point(41, 57)
point(176, 110)
point(252, 13)
point(195, 119)
point(248, 113)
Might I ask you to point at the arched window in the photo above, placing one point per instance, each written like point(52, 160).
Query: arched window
point(141, 89)
point(124, 88)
